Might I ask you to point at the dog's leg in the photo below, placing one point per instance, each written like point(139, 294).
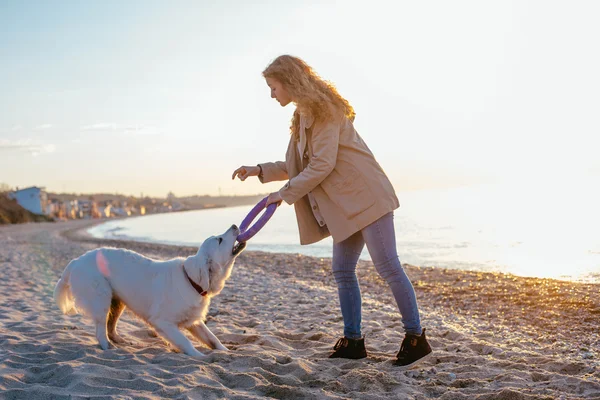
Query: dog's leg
point(96, 303)
point(201, 331)
point(116, 309)
point(101, 332)
point(172, 333)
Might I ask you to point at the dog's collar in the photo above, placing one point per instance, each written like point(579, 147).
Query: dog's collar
point(198, 288)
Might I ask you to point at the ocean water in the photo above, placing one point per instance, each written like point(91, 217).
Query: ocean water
point(523, 230)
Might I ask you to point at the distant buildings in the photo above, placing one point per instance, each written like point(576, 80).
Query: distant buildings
point(32, 198)
point(88, 209)
point(35, 200)
point(72, 206)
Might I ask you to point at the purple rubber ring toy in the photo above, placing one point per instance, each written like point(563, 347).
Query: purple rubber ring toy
point(246, 233)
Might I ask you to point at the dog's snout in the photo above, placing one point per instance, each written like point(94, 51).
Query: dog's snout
point(234, 227)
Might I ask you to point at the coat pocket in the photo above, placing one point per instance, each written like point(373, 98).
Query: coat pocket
point(349, 191)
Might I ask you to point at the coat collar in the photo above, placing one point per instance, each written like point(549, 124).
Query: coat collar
point(306, 121)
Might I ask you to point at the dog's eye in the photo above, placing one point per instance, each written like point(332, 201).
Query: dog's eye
point(220, 240)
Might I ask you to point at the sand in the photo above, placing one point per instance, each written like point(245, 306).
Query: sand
point(494, 336)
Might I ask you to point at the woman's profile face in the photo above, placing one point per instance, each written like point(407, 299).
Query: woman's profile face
point(278, 92)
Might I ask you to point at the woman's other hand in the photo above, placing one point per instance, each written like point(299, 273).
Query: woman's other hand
point(245, 171)
point(274, 197)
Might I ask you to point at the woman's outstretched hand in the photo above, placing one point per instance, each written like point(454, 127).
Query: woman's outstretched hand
point(245, 171)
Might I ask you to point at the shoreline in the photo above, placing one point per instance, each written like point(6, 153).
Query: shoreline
point(588, 278)
point(494, 336)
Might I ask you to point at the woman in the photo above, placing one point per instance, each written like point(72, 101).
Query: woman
point(338, 189)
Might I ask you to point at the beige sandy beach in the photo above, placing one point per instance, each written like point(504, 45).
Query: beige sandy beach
point(494, 336)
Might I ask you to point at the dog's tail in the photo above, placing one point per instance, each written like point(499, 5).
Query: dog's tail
point(62, 293)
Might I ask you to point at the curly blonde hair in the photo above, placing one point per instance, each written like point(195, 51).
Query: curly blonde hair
point(310, 92)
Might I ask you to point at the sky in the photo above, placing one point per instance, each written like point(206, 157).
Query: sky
point(148, 97)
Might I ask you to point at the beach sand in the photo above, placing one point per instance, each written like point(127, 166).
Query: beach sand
point(494, 336)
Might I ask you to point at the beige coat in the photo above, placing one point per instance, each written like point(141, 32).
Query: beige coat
point(349, 187)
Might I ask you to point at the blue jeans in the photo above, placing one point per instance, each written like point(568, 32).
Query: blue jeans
point(380, 238)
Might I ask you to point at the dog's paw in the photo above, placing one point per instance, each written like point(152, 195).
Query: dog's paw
point(197, 354)
point(106, 345)
point(222, 348)
point(117, 339)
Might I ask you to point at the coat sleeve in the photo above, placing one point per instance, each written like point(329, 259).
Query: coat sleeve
point(325, 139)
point(273, 171)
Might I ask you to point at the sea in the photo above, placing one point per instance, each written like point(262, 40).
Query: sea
point(526, 230)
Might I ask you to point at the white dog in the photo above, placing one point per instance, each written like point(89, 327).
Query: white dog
point(168, 295)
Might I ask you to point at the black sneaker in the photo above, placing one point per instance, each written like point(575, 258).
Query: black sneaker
point(349, 348)
point(413, 350)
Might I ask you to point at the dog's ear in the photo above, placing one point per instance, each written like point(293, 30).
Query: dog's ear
point(199, 270)
point(205, 274)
